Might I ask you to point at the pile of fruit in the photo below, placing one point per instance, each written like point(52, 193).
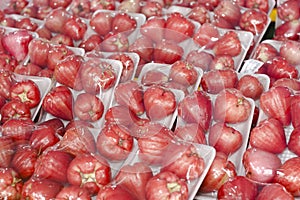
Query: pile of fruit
point(149, 99)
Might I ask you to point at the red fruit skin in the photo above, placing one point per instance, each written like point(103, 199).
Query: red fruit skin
point(254, 21)
point(127, 63)
point(54, 123)
point(62, 38)
point(250, 86)
point(292, 83)
point(269, 135)
point(279, 67)
point(262, 5)
point(288, 175)
point(7, 151)
point(276, 103)
point(15, 109)
point(43, 137)
point(295, 106)
point(228, 11)
point(231, 107)
point(10, 184)
point(167, 52)
point(152, 8)
point(154, 28)
point(119, 114)
point(75, 27)
point(238, 187)
point(16, 43)
point(294, 141)
point(114, 142)
point(78, 140)
point(191, 132)
point(123, 22)
point(73, 192)
point(290, 51)
point(225, 138)
point(144, 47)
point(92, 176)
point(288, 10)
point(130, 94)
point(206, 35)
point(24, 161)
point(57, 53)
point(26, 23)
point(153, 140)
point(201, 59)
point(88, 107)
point(222, 62)
point(66, 72)
point(196, 108)
point(265, 52)
point(38, 52)
point(184, 161)
point(18, 129)
point(199, 13)
point(43, 188)
point(158, 187)
point(101, 23)
point(152, 77)
point(59, 102)
point(159, 102)
point(274, 191)
point(114, 192)
point(28, 69)
point(215, 81)
point(26, 91)
point(183, 73)
point(6, 81)
point(134, 178)
point(178, 27)
point(97, 75)
point(288, 30)
point(260, 165)
point(219, 173)
point(49, 162)
point(228, 44)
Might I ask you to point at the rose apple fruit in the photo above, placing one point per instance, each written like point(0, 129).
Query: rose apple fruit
point(10, 185)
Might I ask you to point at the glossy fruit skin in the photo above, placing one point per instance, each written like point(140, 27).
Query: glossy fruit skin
point(78, 140)
point(127, 63)
point(260, 165)
point(159, 102)
point(88, 107)
point(43, 188)
point(26, 91)
point(196, 108)
point(225, 138)
point(167, 52)
point(134, 178)
point(6, 81)
point(288, 10)
point(48, 163)
point(288, 175)
point(75, 28)
point(178, 28)
point(151, 135)
point(279, 109)
point(101, 23)
point(7, 151)
point(190, 132)
point(131, 95)
point(67, 72)
point(18, 129)
point(166, 185)
point(183, 73)
point(15, 109)
point(59, 102)
point(114, 142)
point(123, 22)
point(254, 21)
point(154, 28)
point(184, 161)
point(231, 107)
point(243, 188)
point(206, 35)
point(228, 44)
point(250, 86)
point(37, 52)
point(273, 191)
point(73, 192)
point(214, 81)
point(92, 176)
point(97, 75)
point(265, 52)
point(266, 131)
point(109, 192)
point(11, 184)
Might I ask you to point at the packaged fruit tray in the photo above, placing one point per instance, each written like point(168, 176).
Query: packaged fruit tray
point(96, 90)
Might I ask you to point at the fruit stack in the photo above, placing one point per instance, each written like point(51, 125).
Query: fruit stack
point(149, 99)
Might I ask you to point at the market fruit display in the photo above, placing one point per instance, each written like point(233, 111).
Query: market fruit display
point(136, 99)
